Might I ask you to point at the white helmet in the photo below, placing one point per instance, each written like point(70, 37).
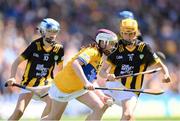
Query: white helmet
point(48, 25)
point(108, 37)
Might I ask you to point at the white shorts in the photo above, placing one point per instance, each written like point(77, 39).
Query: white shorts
point(60, 96)
point(118, 96)
point(40, 90)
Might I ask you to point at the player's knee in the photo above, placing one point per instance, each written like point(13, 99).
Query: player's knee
point(127, 116)
point(20, 112)
point(17, 115)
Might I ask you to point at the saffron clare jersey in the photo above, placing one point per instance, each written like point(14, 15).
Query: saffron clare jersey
point(128, 61)
point(68, 81)
point(40, 63)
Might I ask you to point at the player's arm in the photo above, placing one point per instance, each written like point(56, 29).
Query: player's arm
point(165, 71)
point(77, 66)
point(83, 59)
point(155, 60)
point(14, 67)
point(104, 98)
point(24, 55)
point(104, 71)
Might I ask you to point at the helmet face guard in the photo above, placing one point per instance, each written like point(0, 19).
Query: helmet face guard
point(107, 41)
point(47, 27)
point(129, 27)
point(105, 49)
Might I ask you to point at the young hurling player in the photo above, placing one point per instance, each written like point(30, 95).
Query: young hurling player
point(42, 55)
point(80, 72)
point(132, 56)
point(128, 14)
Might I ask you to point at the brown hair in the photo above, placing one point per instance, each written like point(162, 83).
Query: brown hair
point(94, 44)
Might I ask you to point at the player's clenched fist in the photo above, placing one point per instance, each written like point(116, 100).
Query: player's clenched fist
point(89, 86)
point(111, 77)
point(11, 81)
point(167, 78)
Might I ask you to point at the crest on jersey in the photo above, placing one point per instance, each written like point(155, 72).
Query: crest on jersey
point(141, 56)
point(56, 57)
point(130, 56)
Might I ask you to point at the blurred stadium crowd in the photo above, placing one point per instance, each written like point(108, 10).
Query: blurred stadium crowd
point(159, 23)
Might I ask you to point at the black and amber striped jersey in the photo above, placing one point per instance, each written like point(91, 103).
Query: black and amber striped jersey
point(40, 63)
point(128, 61)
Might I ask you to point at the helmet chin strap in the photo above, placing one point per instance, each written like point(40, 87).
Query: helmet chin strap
point(108, 52)
point(50, 41)
point(126, 42)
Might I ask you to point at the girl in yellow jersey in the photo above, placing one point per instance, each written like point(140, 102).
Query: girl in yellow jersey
point(80, 72)
point(42, 55)
point(132, 56)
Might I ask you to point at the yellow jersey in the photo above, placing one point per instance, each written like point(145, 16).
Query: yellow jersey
point(68, 81)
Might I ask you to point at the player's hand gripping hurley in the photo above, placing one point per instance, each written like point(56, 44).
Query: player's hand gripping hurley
point(29, 89)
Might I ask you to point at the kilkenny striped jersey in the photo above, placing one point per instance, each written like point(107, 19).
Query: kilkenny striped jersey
point(127, 61)
point(40, 65)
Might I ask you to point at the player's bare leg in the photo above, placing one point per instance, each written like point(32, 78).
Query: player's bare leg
point(93, 101)
point(22, 103)
point(57, 109)
point(47, 109)
point(128, 107)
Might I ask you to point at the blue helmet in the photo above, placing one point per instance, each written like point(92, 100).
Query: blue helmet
point(125, 14)
point(49, 25)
